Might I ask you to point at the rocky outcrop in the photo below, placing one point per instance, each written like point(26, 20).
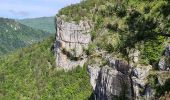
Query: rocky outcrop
point(139, 81)
point(167, 51)
point(93, 73)
point(134, 55)
point(71, 40)
point(118, 80)
point(111, 81)
point(112, 84)
point(162, 64)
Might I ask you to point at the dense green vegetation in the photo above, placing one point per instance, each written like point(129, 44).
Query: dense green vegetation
point(42, 23)
point(15, 35)
point(30, 73)
point(124, 25)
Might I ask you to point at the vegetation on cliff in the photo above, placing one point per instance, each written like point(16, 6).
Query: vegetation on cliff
point(123, 25)
point(30, 73)
point(120, 26)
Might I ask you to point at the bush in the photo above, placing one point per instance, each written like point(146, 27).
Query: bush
point(153, 49)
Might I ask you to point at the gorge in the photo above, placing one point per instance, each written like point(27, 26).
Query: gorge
point(101, 50)
point(111, 76)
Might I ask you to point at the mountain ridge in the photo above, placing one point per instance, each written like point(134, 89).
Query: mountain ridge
point(42, 23)
point(15, 35)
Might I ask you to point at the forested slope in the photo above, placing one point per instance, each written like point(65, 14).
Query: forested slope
point(30, 73)
point(42, 23)
point(14, 35)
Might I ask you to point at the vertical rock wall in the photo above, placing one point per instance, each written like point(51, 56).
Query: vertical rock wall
point(71, 40)
point(111, 81)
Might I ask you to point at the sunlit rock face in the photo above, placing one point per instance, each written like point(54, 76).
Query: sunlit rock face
point(71, 41)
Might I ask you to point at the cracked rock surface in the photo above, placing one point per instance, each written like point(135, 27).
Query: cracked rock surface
point(71, 40)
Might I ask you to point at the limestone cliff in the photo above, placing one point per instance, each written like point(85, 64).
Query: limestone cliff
point(71, 40)
point(109, 83)
point(116, 79)
point(123, 78)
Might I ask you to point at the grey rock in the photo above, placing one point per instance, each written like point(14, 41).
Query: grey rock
point(62, 62)
point(93, 73)
point(119, 65)
point(71, 40)
point(109, 83)
point(167, 51)
point(148, 93)
point(134, 55)
point(139, 75)
point(141, 71)
point(162, 64)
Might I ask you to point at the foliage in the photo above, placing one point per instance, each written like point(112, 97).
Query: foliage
point(91, 49)
point(152, 81)
point(133, 22)
point(153, 50)
point(30, 73)
point(162, 89)
point(134, 26)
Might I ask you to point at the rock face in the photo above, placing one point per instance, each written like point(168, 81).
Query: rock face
point(162, 64)
point(139, 81)
point(110, 82)
point(118, 80)
point(71, 40)
point(134, 55)
point(93, 73)
point(167, 51)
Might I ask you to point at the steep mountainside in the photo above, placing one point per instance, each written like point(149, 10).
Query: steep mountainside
point(42, 23)
point(128, 55)
point(14, 35)
point(30, 73)
point(123, 45)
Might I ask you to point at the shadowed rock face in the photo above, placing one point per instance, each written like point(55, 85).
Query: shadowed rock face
point(71, 40)
point(110, 81)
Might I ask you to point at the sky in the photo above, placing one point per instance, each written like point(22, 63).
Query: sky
point(20, 9)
